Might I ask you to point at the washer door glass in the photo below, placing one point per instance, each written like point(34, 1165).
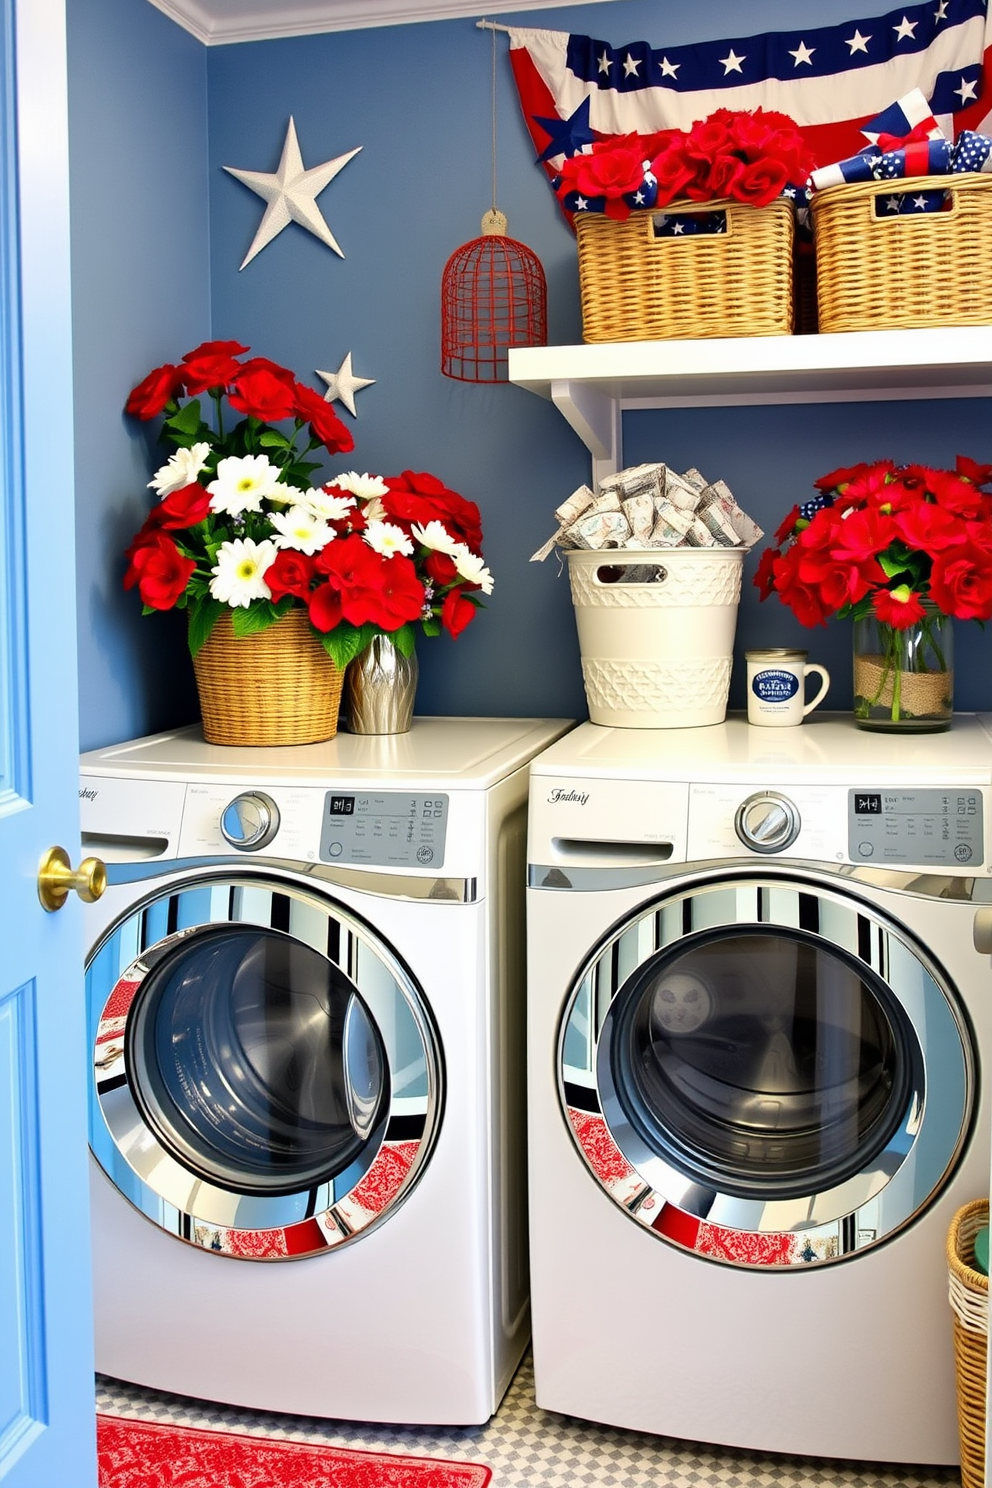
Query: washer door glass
point(267, 1079)
point(744, 1069)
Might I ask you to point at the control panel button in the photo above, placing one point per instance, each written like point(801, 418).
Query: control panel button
point(767, 822)
point(250, 821)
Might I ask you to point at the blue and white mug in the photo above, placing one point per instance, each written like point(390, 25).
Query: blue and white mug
point(776, 686)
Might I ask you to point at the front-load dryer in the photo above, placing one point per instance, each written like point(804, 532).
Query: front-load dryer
point(758, 1028)
point(305, 987)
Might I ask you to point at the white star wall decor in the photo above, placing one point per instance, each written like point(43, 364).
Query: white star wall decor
point(290, 194)
point(342, 385)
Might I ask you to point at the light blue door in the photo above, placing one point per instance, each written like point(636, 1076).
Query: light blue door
point(46, 1368)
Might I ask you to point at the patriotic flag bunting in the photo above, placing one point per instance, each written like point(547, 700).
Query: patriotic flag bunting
point(832, 80)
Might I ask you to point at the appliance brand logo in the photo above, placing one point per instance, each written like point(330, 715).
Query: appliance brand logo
point(579, 797)
point(88, 795)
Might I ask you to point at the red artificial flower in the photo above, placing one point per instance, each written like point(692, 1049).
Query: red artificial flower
point(671, 170)
point(421, 498)
point(900, 607)
point(456, 612)
point(949, 490)
point(961, 582)
point(970, 470)
point(159, 570)
point(325, 607)
point(440, 569)
point(292, 572)
point(838, 479)
point(263, 390)
point(211, 365)
point(612, 171)
point(183, 508)
point(720, 177)
point(156, 390)
point(318, 413)
point(760, 182)
point(764, 576)
point(928, 527)
point(373, 590)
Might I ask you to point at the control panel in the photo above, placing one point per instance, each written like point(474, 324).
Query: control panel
point(395, 829)
point(939, 828)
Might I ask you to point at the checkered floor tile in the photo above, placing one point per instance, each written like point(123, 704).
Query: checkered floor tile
point(531, 1448)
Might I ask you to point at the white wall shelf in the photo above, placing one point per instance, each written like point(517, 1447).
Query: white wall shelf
point(593, 385)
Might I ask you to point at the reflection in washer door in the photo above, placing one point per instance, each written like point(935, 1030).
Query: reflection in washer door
point(255, 1061)
point(748, 1066)
point(267, 1076)
point(762, 1064)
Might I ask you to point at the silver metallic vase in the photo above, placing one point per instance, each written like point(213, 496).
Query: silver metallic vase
point(380, 686)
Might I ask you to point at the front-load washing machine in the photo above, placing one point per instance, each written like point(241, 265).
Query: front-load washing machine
point(760, 1003)
point(305, 987)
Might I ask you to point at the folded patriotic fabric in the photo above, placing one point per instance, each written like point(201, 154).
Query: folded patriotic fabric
point(920, 150)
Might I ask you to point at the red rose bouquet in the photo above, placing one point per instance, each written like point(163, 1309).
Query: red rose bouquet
point(239, 527)
point(748, 156)
point(899, 546)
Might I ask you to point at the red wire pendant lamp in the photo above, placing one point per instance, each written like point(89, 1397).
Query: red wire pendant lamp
point(493, 295)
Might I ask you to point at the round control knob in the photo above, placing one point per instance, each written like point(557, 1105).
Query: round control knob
point(250, 821)
point(767, 822)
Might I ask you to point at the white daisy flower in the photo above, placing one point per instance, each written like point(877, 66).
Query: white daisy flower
point(242, 483)
point(181, 469)
point(471, 567)
point(237, 574)
point(323, 504)
point(386, 538)
point(298, 528)
point(363, 486)
point(435, 535)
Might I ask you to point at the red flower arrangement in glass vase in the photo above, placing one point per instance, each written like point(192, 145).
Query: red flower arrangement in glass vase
point(749, 156)
point(239, 527)
point(896, 549)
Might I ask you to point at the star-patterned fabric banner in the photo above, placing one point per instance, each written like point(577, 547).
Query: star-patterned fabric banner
point(830, 80)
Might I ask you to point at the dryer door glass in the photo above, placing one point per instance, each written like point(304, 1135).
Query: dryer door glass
point(267, 1075)
point(255, 1061)
point(761, 1064)
point(766, 1071)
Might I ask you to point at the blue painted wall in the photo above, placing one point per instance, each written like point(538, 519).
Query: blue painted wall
point(417, 99)
point(141, 293)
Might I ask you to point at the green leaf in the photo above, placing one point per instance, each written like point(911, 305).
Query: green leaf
point(431, 627)
point(203, 616)
point(257, 617)
point(188, 419)
point(272, 439)
point(404, 639)
point(345, 641)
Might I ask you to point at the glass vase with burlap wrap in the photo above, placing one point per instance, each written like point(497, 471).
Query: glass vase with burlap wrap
point(904, 678)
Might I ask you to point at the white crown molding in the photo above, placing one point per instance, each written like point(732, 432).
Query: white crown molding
point(223, 22)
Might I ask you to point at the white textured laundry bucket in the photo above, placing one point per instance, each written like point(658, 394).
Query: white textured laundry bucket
point(656, 654)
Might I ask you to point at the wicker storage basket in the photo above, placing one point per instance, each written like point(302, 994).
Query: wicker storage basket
point(276, 687)
point(934, 269)
point(969, 1295)
point(636, 286)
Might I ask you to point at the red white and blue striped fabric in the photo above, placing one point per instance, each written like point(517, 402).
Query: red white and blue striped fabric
point(831, 80)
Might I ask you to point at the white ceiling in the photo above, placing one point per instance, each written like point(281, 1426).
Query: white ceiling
point(215, 22)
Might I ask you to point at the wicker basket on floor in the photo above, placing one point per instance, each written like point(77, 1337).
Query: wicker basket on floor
point(639, 286)
point(278, 686)
point(969, 1296)
point(901, 270)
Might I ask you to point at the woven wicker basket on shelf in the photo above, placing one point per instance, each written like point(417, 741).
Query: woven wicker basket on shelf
point(276, 687)
point(638, 286)
point(969, 1297)
point(901, 270)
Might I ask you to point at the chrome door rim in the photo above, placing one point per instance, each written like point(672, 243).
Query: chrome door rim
point(255, 1226)
point(828, 1225)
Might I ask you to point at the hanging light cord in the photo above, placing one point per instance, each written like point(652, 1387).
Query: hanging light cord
point(494, 118)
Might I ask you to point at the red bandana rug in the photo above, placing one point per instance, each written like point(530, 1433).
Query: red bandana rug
point(143, 1454)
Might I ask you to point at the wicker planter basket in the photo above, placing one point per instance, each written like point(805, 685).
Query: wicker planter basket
point(875, 273)
point(636, 286)
point(276, 687)
point(969, 1296)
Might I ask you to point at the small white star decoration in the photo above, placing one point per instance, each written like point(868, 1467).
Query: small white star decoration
point(342, 385)
point(291, 194)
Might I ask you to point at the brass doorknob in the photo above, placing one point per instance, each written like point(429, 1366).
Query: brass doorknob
point(56, 878)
